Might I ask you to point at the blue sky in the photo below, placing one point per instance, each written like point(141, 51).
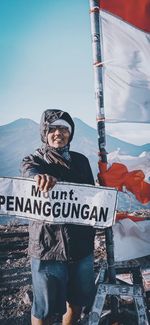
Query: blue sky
point(46, 62)
point(45, 59)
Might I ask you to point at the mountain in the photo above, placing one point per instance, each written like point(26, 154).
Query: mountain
point(86, 132)
point(21, 137)
point(17, 139)
point(85, 141)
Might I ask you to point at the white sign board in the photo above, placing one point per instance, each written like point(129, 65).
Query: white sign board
point(65, 203)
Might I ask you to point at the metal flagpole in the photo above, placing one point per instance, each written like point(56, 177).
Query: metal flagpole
point(100, 116)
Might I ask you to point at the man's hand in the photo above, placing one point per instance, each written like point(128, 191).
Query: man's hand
point(45, 182)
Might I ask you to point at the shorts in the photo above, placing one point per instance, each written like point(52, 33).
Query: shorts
point(55, 282)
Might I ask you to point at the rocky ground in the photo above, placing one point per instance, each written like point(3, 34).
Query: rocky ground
point(15, 275)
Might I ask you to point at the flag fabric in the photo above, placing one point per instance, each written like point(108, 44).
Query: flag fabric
point(120, 215)
point(125, 44)
point(125, 40)
point(131, 236)
point(128, 171)
point(125, 49)
point(135, 12)
point(131, 239)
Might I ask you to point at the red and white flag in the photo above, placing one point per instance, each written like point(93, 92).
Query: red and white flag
point(125, 42)
point(131, 236)
point(125, 28)
point(127, 171)
point(131, 239)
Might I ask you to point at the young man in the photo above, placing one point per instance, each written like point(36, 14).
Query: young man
point(61, 255)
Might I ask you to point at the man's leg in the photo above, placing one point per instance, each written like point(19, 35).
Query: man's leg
point(48, 321)
point(36, 321)
point(72, 315)
point(49, 280)
point(81, 289)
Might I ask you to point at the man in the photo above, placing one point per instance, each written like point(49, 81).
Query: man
point(61, 255)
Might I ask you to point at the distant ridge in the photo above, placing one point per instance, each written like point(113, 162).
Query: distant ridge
point(21, 122)
point(21, 137)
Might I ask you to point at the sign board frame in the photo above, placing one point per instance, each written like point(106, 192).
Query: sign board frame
point(72, 203)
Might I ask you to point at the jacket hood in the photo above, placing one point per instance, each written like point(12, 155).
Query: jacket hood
point(51, 115)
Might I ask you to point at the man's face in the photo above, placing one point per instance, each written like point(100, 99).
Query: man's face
point(58, 136)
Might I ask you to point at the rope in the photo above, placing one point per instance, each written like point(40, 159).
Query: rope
point(94, 9)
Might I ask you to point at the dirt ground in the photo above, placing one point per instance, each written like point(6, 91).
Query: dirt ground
point(15, 276)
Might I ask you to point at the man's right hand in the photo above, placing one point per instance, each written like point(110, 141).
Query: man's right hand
point(45, 182)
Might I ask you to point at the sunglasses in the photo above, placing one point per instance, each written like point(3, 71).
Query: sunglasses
point(62, 128)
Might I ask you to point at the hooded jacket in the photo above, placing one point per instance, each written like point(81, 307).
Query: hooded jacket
point(59, 242)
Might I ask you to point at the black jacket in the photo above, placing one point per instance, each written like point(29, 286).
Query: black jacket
point(60, 242)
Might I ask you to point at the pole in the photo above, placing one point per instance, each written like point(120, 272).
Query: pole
point(98, 77)
point(100, 117)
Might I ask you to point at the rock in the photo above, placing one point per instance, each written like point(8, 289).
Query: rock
point(27, 298)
